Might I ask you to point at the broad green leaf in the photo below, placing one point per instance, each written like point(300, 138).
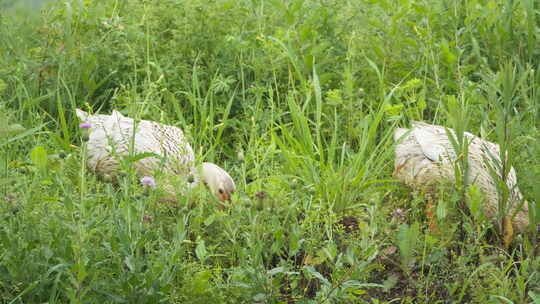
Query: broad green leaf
point(11, 129)
point(21, 135)
point(200, 250)
point(407, 238)
point(39, 157)
point(312, 271)
point(276, 270)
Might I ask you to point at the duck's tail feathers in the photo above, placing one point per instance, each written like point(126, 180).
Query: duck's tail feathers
point(83, 116)
point(116, 114)
point(399, 132)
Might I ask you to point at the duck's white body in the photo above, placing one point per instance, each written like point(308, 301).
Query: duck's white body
point(115, 136)
point(426, 155)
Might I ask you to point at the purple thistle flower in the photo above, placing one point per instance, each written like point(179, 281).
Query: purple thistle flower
point(85, 125)
point(148, 181)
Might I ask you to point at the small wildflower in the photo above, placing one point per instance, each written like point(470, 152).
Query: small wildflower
point(240, 155)
point(388, 251)
point(147, 218)
point(399, 214)
point(294, 183)
point(148, 181)
point(85, 125)
point(9, 198)
point(261, 195)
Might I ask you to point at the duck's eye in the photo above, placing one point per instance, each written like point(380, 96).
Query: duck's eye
point(220, 191)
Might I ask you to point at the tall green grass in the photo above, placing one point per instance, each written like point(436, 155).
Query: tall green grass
point(298, 100)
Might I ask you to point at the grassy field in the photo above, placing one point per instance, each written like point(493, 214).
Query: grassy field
point(298, 100)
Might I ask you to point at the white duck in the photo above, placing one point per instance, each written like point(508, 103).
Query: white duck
point(426, 155)
point(110, 137)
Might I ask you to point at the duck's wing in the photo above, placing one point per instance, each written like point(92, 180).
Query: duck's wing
point(82, 115)
point(166, 141)
point(433, 141)
point(415, 164)
point(166, 146)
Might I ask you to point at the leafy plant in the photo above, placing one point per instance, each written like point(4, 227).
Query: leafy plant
point(298, 100)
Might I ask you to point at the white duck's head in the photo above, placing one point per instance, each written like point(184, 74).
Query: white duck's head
point(217, 180)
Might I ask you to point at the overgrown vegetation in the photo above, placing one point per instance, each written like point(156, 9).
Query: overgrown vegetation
point(298, 100)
